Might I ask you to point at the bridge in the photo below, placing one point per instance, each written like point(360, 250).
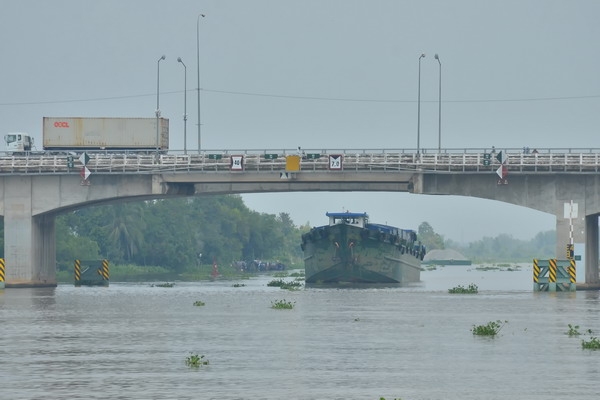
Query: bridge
point(36, 187)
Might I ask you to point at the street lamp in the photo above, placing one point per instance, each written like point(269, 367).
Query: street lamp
point(439, 107)
point(184, 105)
point(198, 66)
point(158, 99)
point(419, 108)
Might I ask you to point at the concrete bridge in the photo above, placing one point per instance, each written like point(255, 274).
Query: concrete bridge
point(34, 188)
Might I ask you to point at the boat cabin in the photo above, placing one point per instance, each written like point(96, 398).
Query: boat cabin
point(359, 220)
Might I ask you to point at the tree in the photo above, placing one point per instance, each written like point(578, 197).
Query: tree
point(125, 230)
point(429, 238)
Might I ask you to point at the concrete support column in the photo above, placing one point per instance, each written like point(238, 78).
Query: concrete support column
point(591, 249)
point(29, 242)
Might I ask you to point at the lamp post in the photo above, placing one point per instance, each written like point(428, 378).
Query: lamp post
point(158, 99)
point(184, 105)
point(439, 107)
point(198, 66)
point(419, 108)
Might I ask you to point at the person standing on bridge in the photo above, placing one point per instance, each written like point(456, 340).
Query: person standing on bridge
point(301, 152)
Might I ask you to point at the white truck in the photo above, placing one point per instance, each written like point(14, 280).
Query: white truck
point(77, 133)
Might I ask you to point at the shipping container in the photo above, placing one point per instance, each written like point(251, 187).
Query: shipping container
point(105, 133)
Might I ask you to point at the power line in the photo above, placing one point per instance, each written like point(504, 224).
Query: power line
point(294, 97)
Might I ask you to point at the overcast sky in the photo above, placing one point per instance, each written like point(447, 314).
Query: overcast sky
point(277, 74)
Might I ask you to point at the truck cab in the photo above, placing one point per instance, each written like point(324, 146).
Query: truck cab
point(18, 142)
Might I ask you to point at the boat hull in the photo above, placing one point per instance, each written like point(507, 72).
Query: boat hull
point(344, 253)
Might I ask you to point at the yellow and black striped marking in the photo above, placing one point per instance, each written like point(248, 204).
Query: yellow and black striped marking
point(552, 270)
point(536, 271)
point(103, 271)
point(572, 271)
point(2, 269)
point(77, 270)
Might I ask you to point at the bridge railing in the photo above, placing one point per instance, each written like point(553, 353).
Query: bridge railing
point(470, 161)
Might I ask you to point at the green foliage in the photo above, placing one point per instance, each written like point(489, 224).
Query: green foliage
point(592, 344)
point(71, 246)
point(429, 238)
point(199, 303)
point(506, 248)
point(573, 330)
point(176, 233)
point(471, 289)
point(195, 361)
point(289, 285)
point(282, 304)
point(238, 285)
point(492, 328)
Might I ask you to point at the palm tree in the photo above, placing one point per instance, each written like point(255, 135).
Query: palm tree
point(125, 229)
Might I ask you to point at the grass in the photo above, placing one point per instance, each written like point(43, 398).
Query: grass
point(471, 289)
point(491, 329)
point(282, 304)
point(195, 361)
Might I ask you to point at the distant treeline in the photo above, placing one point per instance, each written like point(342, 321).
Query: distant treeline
point(491, 249)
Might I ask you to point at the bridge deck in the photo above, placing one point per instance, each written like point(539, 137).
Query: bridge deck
point(268, 161)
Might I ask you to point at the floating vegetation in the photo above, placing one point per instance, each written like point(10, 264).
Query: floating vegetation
point(199, 303)
point(573, 330)
point(460, 289)
point(280, 274)
point(592, 344)
point(166, 284)
point(194, 360)
point(499, 267)
point(491, 329)
point(487, 268)
point(282, 304)
point(514, 268)
point(238, 285)
point(297, 274)
point(291, 285)
point(276, 282)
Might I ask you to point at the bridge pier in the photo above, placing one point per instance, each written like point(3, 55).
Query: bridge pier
point(591, 249)
point(29, 241)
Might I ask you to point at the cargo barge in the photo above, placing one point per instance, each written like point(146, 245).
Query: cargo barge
point(351, 249)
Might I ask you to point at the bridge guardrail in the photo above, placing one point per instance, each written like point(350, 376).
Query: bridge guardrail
point(257, 161)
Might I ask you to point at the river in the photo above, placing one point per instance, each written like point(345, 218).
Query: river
point(130, 341)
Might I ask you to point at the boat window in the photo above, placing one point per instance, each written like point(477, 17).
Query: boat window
point(10, 138)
